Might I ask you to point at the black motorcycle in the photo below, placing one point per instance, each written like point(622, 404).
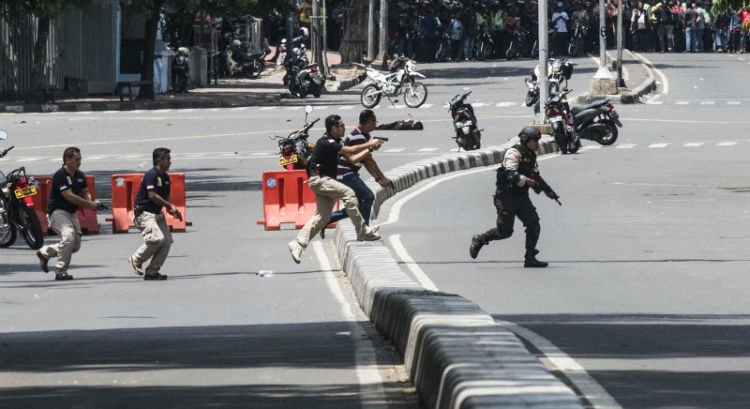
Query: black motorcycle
point(468, 135)
point(294, 149)
point(522, 44)
point(557, 110)
point(181, 70)
point(597, 121)
point(301, 77)
point(484, 45)
point(17, 213)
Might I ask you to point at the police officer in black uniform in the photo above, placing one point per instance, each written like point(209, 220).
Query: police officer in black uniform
point(517, 174)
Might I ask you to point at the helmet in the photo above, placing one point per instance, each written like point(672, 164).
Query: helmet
point(529, 132)
point(304, 32)
point(283, 41)
point(236, 43)
point(183, 50)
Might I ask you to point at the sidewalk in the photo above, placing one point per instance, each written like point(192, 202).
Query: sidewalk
point(229, 92)
point(639, 79)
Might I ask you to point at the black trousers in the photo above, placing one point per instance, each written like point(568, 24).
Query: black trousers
point(510, 205)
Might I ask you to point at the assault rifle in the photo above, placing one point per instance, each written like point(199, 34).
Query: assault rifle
point(546, 188)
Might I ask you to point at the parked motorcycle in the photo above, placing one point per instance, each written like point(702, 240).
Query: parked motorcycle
point(402, 78)
point(17, 213)
point(301, 77)
point(559, 71)
point(484, 45)
point(577, 40)
point(597, 121)
point(557, 110)
point(294, 149)
point(181, 70)
point(247, 63)
point(522, 44)
point(468, 135)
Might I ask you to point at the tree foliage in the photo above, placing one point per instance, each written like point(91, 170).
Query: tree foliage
point(51, 9)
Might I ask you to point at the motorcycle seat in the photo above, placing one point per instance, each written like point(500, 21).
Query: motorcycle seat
point(250, 55)
point(580, 108)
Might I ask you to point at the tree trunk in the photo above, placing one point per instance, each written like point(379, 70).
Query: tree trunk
point(40, 61)
point(355, 33)
point(147, 71)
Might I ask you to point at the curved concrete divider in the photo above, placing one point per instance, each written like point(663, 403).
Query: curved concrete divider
point(456, 355)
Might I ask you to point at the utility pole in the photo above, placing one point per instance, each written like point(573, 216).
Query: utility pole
point(620, 81)
point(543, 55)
point(603, 71)
point(371, 31)
point(324, 13)
point(290, 24)
point(383, 30)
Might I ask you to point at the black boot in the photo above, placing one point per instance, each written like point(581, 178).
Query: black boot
point(476, 244)
point(531, 261)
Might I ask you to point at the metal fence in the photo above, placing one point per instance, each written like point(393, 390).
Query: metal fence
point(83, 44)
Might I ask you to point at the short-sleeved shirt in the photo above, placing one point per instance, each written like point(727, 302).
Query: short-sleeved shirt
point(152, 182)
point(62, 181)
point(326, 154)
point(356, 137)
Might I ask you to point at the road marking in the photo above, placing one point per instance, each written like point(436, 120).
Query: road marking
point(658, 145)
point(480, 104)
point(345, 107)
point(708, 102)
point(160, 111)
point(240, 109)
point(397, 106)
point(365, 360)
point(427, 150)
point(682, 103)
point(626, 146)
point(693, 144)
point(556, 359)
point(93, 158)
point(426, 106)
point(33, 159)
point(650, 102)
point(296, 108)
point(740, 58)
point(726, 144)
point(505, 104)
point(591, 147)
point(734, 103)
point(409, 262)
point(394, 150)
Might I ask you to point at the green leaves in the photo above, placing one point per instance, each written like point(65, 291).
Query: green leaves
point(13, 9)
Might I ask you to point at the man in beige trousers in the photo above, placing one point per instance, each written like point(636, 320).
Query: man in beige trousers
point(322, 179)
point(153, 195)
point(68, 192)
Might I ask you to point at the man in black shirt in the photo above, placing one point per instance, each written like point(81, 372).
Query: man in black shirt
point(322, 179)
point(153, 195)
point(67, 194)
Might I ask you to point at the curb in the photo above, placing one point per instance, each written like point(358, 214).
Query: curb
point(349, 82)
point(633, 97)
point(455, 353)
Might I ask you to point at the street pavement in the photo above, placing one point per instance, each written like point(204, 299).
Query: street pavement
point(637, 242)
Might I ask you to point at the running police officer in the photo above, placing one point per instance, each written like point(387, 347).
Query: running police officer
point(68, 192)
point(518, 173)
point(153, 195)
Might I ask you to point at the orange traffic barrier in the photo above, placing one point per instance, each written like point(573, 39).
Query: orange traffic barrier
point(287, 199)
point(86, 217)
point(124, 190)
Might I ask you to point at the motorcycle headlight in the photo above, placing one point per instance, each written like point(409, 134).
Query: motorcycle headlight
point(466, 130)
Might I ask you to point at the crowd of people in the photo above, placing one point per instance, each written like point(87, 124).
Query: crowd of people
point(420, 28)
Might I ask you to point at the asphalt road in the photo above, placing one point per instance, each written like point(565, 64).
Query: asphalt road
point(215, 333)
point(646, 288)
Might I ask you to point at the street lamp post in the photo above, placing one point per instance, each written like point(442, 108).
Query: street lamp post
point(603, 71)
point(543, 55)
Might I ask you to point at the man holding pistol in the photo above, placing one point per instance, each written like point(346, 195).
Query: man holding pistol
point(518, 173)
point(153, 196)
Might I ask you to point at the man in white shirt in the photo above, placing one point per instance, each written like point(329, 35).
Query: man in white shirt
point(560, 22)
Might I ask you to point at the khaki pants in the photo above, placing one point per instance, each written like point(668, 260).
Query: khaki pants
point(157, 240)
point(67, 227)
point(327, 192)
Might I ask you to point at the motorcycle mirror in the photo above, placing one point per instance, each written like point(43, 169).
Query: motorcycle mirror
point(308, 109)
point(3, 135)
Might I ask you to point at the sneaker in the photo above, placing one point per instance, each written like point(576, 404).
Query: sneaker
point(134, 266)
point(534, 263)
point(374, 229)
point(43, 260)
point(62, 276)
point(476, 245)
point(296, 250)
point(154, 277)
point(372, 237)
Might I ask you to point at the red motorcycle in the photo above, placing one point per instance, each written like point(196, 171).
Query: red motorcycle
point(294, 149)
point(17, 208)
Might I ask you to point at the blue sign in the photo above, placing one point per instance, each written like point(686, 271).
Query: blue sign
point(271, 183)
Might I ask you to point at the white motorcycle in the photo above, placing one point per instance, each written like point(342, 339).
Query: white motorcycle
point(401, 79)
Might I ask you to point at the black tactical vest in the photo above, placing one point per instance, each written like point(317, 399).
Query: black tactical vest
point(526, 167)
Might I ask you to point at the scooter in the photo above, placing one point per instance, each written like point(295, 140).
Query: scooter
point(294, 149)
point(468, 135)
point(17, 213)
point(557, 111)
point(597, 121)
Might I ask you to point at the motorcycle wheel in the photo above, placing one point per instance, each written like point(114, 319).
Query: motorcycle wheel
point(534, 50)
point(561, 139)
point(572, 50)
point(510, 53)
point(442, 53)
point(415, 94)
point(253, 69)
point(531, 99)
point(370, 96)
point(611, 137)
point(477, 137)
point(31, 229)
point(7, 235)
point(316, 92)
point(575, 147)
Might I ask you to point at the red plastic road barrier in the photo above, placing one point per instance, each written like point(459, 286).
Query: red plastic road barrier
point(86, 216)
point(287, 199)
point(125, 188)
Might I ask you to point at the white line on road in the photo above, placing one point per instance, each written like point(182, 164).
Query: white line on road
point(726, 144)
point(296, 108)
point(409, 262)
point(240, 109)
point(693, 144)
point(345, 107)
point(733, 102)
point(427, 149)
point(394, 150)
point(556, 359)
point(658, 145)
point(160, 111)
point(397, 106)
point(426, 106)
point(682, 103)
point(626, 146)
point(708, 102)
point(664, 81)
point(364, 351)
point(591, 147)
point(481, 104)
point(505, 104)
